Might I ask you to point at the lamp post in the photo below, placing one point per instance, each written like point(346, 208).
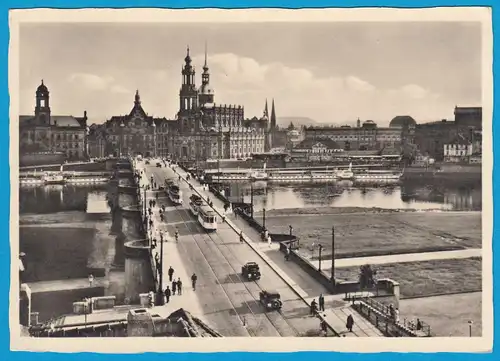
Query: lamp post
point(333, 255)
point(160, 285)
point(154, 139)
point(320, 248)
point(122, 126)
point(251, 199)
point(470, 327)
point(219, 151)
point(264, 218)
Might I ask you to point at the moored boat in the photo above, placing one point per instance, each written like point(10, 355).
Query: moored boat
point(53, 178)
point(378, 177)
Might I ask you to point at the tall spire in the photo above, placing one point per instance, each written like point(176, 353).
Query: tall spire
point(205, 67)
point(137, 97)
point(187, 59)
point(273, 116)
point(266, 110)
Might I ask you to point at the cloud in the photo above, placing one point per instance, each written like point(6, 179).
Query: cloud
point(118, 89)
point(302, 92)
point(93, 82)
point(298, 91)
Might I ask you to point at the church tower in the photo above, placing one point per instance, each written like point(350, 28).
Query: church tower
point(188, 94)
point(42, 108)
point(206, 93)
point(273, 127)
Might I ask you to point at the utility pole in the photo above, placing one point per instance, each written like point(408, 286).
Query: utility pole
point(320, 247)
point(251, 199)
point(160, 286)
point(333, 255)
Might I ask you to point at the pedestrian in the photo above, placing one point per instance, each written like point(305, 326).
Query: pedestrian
point(396, 315)
point(174, 287)
point(269, 240)
point(194, 278)
point(151, 298)
point(161, 217)
point(323, 326)
point(350, 323)
point(241, 237)
point(179, 286)
point(419, 324)
point(314, 307)
point(287, 254)
point(321, 302)
point(170, 273)
point(168, 293)
point(91, 280)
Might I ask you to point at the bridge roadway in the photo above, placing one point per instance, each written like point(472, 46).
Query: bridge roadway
point(229, 303)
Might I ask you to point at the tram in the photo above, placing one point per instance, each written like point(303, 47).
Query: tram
point(174, 193)
point(207, 218)
point(195, 202)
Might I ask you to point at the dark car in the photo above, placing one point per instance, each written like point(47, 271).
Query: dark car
point(158, 165)
point(251, 271)
point(271, 300)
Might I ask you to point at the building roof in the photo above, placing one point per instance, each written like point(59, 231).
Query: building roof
point(402, 121)
point(309, 143)
point(460, 139)
point(55, 121)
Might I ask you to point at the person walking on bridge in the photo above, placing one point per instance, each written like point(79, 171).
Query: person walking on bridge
point(194, 278)
point(350, 323)
point(174, 287)
point(321, 302)
point(170, 273)
point(168, 293)
point(179, 286)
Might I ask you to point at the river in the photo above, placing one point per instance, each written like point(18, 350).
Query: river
point(344, 194)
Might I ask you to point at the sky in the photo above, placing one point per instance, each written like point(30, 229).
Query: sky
point(332, 72)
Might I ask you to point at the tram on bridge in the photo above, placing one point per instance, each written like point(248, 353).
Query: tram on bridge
point(207, 218)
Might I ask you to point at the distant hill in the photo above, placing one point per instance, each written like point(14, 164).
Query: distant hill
point(297, 121)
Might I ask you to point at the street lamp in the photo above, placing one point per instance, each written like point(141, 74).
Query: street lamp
point(470, 327)
point(122, 126)
point(154, 139)
point(160, 285)
point(333, 255)
point(320, 247)
point(264, 218)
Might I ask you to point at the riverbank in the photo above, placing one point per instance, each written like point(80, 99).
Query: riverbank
point(428, 278)
point(377, 232)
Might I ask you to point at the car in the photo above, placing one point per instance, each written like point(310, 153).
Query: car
point(158, 165)
point(271, 300)
point(251, 271)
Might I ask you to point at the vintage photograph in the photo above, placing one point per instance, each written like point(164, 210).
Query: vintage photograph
point(240, 174)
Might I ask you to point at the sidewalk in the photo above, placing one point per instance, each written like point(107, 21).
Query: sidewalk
point(171, 257)
point(401, 258)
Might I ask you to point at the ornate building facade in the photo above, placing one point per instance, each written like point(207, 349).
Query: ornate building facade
point(206, 130)
point(134, 133)
point(44, 132)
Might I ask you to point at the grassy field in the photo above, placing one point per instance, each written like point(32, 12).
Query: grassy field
point(446, 321)
point(375, 233)
point(427, 278)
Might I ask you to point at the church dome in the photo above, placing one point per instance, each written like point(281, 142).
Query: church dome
point(401, 121)
point(206, 89)
point(42, 88)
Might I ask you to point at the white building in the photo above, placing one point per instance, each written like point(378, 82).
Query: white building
point(458, 150)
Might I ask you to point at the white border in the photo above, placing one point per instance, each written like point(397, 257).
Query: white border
point(117, 345)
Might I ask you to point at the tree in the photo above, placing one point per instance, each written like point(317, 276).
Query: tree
point(366, 276)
